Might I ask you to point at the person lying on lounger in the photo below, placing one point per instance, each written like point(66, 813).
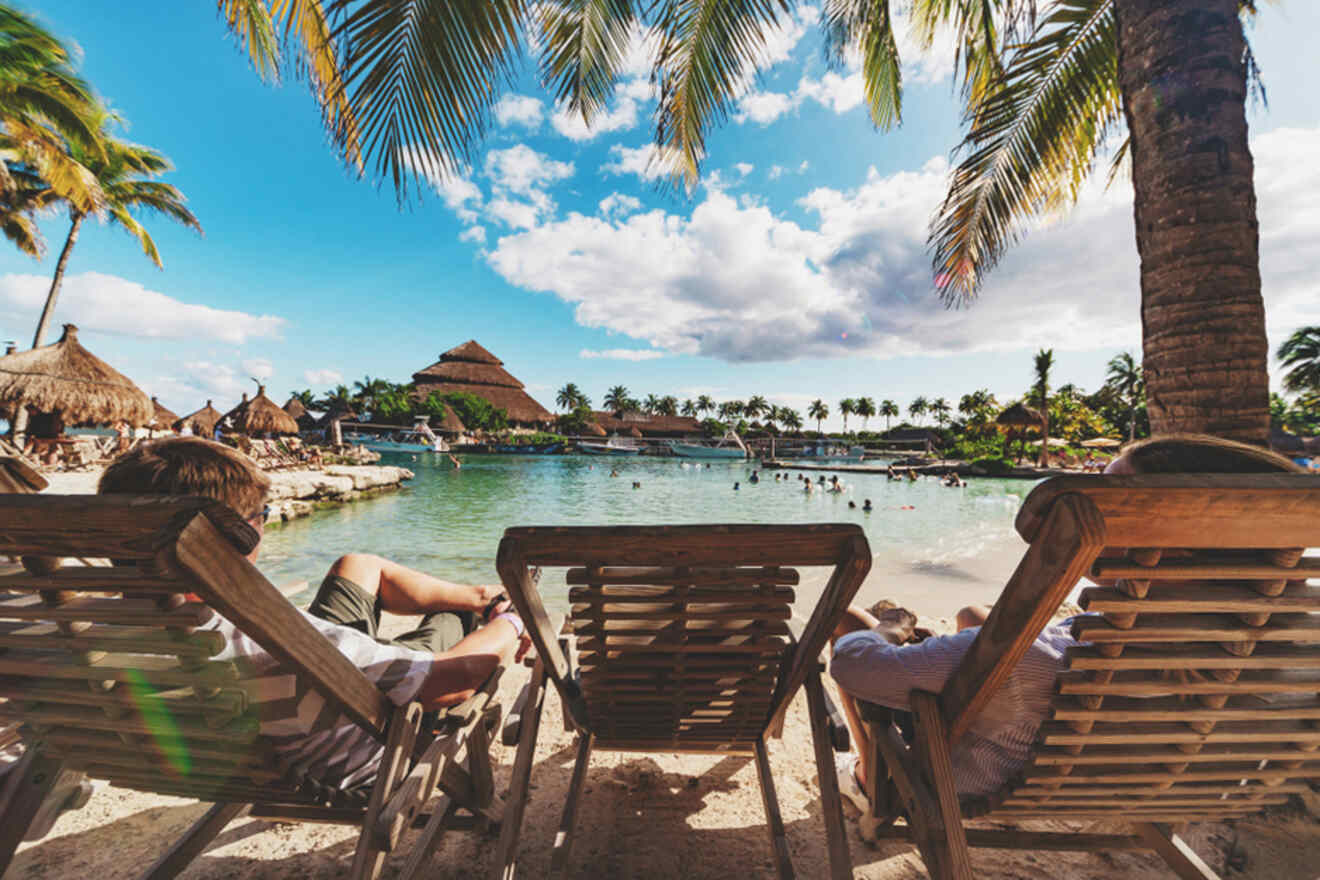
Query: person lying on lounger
point(466, 630)
point(879, 659)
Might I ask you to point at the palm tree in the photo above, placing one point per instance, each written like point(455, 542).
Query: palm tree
point(791, 419)
point(1124, 378)
point(338, 399)
point(124, 172)
point(652, 404)
point(570, 397)
point(705, 404)
point(918, 407)
point(755, 406)
point(1090, 68)
point(617, 399)
point(1300, 352)
point(1044, 362)
point(668, 405)
point(939, 407)
point(865, 407)
point(305, 397)
point(367, 392)
point(847, 407)
point(889, 410)
point(819, 411)
point(730, 410)
point(771, 416)
point(689, 408)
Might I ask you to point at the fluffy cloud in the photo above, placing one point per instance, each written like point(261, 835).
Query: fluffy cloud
point(736, 281)
point(744, 168)
point(461, 196)
point(621, 117)
point(475, 234)
point(259, 368)
point(324, 376)
point(642, 161)
point(519, 110)
point(622, 354)
point(110, 304)
point(522, 170)
point(619, 204)
point(221, 382)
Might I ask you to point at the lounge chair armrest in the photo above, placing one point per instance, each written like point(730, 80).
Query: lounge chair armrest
point(512, 731)
point(837, 727)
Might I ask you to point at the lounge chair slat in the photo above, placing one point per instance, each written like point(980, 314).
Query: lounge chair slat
point(89, 718)
point(1228, 569)
point(1267, 656)
point(102, 637)
point(1200, 628)
point(1211, 788)
point(150, 668)
point(226, 703)
point(696, 546)
point(121, 612)
point(94, 579)
point(1160, 773)
point(1136, 754)
point(1115, 709)
point(245, 755)
point(627, 613)
point(1281, 730)
point(1213, 597)
point(1163, 803)
point(615, 577)
point(1139, 685)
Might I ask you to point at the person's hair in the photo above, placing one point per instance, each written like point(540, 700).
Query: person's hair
point(1203, 454)
point(188, 466)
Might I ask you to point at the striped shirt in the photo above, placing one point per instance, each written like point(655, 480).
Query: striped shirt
point(998, 744)
point(305, 730)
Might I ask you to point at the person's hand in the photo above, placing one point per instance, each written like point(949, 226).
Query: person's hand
point(898, 625)
point(484, 593)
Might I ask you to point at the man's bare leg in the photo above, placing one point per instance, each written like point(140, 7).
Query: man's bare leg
point(972, 615)
point(404, 590)
point(855, 619)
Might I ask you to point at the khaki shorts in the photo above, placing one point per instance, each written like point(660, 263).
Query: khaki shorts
point(341, 601)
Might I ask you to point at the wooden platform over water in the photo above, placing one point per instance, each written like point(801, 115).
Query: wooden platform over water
point(933, 468)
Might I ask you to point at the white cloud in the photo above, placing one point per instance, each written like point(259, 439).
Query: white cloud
point(736, 281)
point(802, 169)
point(621, 117)
point(521, 110)
point(776, 172)
point(619, 205)
point(221, 382)
point(763, 107)
point(639, 89)
point(838, 93)
point(475, 234)
point(323, 376)
point(522, 170)
point(744, 168)
point(513, 212)
point(109, 304)
point(622, 354)
point(461, 196)
point(259, 368)
point(642, 161)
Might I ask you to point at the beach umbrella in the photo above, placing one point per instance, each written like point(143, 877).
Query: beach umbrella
point(162, 417)
point(1102, 443)
point(1058, 441)
point(1019, 415)
point(260, 415)
point(69, 382)
point(202, 422)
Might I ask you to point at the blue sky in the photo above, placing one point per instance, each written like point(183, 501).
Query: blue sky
point(796, 270)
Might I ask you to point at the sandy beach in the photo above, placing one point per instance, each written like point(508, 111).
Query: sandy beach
point(655, 816)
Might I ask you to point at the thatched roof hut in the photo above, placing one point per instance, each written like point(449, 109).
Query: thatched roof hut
point(634, 432)
point(260, 415)
point(646, 424)
point(450, 423)
point(1019, 415)
point(202, 422)
point(471, 368)
point(294, 407)
point(595, 430)
point(162, 417)
point(68, 381)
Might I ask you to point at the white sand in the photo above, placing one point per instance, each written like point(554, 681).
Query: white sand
point(651, 816)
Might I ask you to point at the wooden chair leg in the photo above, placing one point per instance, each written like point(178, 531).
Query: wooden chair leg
point(529, 725)
point(564, 837)
point(1175, 851)
point(830, 802)
point(194, 841)
point(25, 787)
point(406, 721)
point(932, 746)
point(775, 822)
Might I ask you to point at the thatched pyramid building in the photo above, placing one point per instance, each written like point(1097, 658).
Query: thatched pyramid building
point(471, 368)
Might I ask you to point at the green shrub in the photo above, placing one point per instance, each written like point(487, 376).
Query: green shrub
point(993, 466)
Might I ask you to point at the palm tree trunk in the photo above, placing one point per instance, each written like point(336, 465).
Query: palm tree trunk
point(48, 311)
point(1183, 81)
point(1132, 423)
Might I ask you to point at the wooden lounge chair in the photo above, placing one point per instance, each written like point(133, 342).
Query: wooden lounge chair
point(1195, 698)
point(678, 641)
point(104, 669)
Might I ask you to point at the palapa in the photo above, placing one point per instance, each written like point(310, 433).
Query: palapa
point(1019, 415)
point(298, 412)
point(450, 423)
point(67, 380)
point(472, 369)
point(202, 422)
point(595, 430)
point(1102, 443)
point(162, 417)
point(260, 415)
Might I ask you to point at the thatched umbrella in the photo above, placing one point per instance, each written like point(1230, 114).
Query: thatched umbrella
point(1102, 443)
point(260, 415)
point(162, 417)
point(71, 385)
point(595, 430)
point(1017, 418)
point(202, 422)
point(294, 407)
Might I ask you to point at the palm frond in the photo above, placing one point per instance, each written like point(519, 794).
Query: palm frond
point(46, 153)
point(420, 78)
point(121, 215)
point(867, 26)
point(583, 44)
point(306, 22)
point(1031, 143)
point(251, 24)
point(708, 48)
point(22, 231)
point(163, 198)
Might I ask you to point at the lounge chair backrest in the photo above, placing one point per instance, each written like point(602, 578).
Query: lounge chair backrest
point(105, 667)
point(681, 632)
point(1196, 695)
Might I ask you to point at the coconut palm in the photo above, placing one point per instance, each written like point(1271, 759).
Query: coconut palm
point(791, 419)
point(918, 407)
point(668, 406)
point(305, 397)
point(819, 411)
point(652, 404)
point(124, 172)
point(1300, 352)
point(865, 407)
point(338, 399)
point(940, 409)
point(367, 391)
point(847, 407)
point(755, 406)
point(1064, 93)
point(1124, 378)
point(705, 404)
point(1044, 362)
point(569, 397)
point(889, 410)
point(771, 416)
point(617, 399)
point(689, 408)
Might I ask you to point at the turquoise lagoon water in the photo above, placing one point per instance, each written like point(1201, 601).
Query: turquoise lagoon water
point(449, 522)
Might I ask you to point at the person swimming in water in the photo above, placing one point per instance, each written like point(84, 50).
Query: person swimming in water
point(754, 478)
point(866, 507)
point(735, 487)
point(852, 505)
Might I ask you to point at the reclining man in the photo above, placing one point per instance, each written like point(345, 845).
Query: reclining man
point(877, 659)
point(440, 663)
